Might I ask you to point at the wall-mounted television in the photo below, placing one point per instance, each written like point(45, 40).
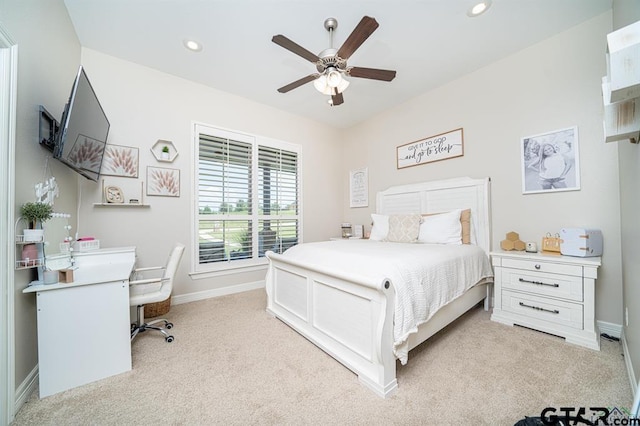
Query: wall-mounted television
point(84, 127)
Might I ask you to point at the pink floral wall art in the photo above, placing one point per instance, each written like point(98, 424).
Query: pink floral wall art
point(163, 182)
point(120, 161)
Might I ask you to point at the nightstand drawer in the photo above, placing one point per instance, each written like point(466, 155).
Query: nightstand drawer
point(545, 284)
point(539, 308)
point(553, 268)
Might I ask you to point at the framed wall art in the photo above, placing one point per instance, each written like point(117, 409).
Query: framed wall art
point(163, 182)
point(359, 188)
point(120, 161)
point(434, 148)
point(550, 161)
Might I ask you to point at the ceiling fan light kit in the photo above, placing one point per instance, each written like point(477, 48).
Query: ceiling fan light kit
point(331, 64)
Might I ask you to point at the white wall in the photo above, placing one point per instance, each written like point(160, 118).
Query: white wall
point(626, 12)
point(144, 105)
point(552, 85)
point(48, 57)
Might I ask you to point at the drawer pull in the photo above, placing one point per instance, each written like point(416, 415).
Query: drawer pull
point(537, 308)
point(522, 280)
point(537, 266)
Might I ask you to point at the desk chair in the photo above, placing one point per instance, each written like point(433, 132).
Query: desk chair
point(152, 290)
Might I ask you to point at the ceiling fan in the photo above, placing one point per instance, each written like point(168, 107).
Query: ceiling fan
point(331, 63)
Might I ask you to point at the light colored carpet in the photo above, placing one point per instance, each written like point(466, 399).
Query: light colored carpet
point(232, 363)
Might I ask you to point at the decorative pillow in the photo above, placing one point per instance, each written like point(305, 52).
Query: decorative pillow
point(444, 228)
point(404, 228)
point(380, 227)
point(465, 221)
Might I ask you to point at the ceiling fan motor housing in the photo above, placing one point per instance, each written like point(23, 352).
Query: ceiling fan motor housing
point(328, 58)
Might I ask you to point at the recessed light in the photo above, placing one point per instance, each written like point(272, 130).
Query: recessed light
point(479, 8)
point(193, 45)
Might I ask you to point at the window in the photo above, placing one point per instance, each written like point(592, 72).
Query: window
point(248, 196)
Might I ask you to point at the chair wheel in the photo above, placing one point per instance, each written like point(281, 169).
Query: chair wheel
point(169, 339)
point(169, 325)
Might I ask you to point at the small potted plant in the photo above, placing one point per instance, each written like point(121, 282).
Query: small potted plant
point(34, 213)
point(165, 152)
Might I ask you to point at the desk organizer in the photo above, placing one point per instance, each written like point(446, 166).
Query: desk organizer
point(82, 246)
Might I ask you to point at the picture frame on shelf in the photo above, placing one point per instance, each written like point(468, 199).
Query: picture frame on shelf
point(163, 182)
point(113, 194)
point(550, 161)
point(121, 161)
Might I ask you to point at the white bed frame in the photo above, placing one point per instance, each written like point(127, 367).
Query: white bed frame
point(351, 318)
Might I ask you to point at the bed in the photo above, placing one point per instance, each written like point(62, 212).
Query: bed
point(351, 306)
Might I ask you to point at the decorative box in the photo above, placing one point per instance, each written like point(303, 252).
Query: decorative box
point(580, 242)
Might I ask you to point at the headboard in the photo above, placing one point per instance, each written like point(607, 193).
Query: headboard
point(441, 196)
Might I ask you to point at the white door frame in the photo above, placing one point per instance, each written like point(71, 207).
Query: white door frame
point(8, 93)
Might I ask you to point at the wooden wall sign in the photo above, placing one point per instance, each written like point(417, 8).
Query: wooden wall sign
point(434, 148)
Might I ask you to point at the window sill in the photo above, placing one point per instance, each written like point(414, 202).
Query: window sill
point(229, 270)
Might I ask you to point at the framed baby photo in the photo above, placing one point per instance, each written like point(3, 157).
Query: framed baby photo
point(550, 162)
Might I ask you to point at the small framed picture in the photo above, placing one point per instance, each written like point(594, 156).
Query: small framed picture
point(120, 161)
point(163, 182)
point(550, 162)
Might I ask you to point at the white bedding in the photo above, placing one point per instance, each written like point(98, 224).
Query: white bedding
point(425, 276)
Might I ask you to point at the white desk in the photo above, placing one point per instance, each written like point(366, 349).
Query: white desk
point(83, 327)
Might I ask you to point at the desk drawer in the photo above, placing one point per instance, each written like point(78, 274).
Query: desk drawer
point(541, 283)
point(537, 266)
point(539, 308)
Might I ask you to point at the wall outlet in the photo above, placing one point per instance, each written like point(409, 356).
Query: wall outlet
point(626, 316)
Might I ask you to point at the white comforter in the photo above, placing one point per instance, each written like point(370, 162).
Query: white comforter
point(425, 276)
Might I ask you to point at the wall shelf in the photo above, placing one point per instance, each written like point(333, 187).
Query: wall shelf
point(120, 205)
point(621, 85)
point(120, 197)
point(166, 157)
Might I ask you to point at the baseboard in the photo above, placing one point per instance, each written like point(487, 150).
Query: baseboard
point(627, 362)
point(614, 330)
point(202, 295)
point(26, 388)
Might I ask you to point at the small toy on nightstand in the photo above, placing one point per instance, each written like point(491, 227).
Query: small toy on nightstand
point(512, 242)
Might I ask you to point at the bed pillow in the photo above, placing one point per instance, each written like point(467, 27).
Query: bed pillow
point(404, 228)
point(467, 235)
point(380, 227)
point(444, 228)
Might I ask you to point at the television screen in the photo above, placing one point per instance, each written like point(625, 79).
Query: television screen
point(83, 130)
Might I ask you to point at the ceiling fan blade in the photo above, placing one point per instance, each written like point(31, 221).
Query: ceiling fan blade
point(360, 33)
point(298, 83)
point(337, 99)
point(295, 48)
point(372, 73)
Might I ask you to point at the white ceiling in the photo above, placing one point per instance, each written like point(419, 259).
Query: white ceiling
point(428, 43)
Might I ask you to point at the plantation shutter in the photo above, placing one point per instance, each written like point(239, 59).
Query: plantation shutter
point(224, 192)
point(248, 194)
point(277, 198)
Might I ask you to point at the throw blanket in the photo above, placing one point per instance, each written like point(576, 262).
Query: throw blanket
point(425, 276)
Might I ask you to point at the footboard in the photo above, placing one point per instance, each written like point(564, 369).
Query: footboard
point(348, 317)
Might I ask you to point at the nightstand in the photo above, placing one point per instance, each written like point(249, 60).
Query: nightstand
point(550, 293)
